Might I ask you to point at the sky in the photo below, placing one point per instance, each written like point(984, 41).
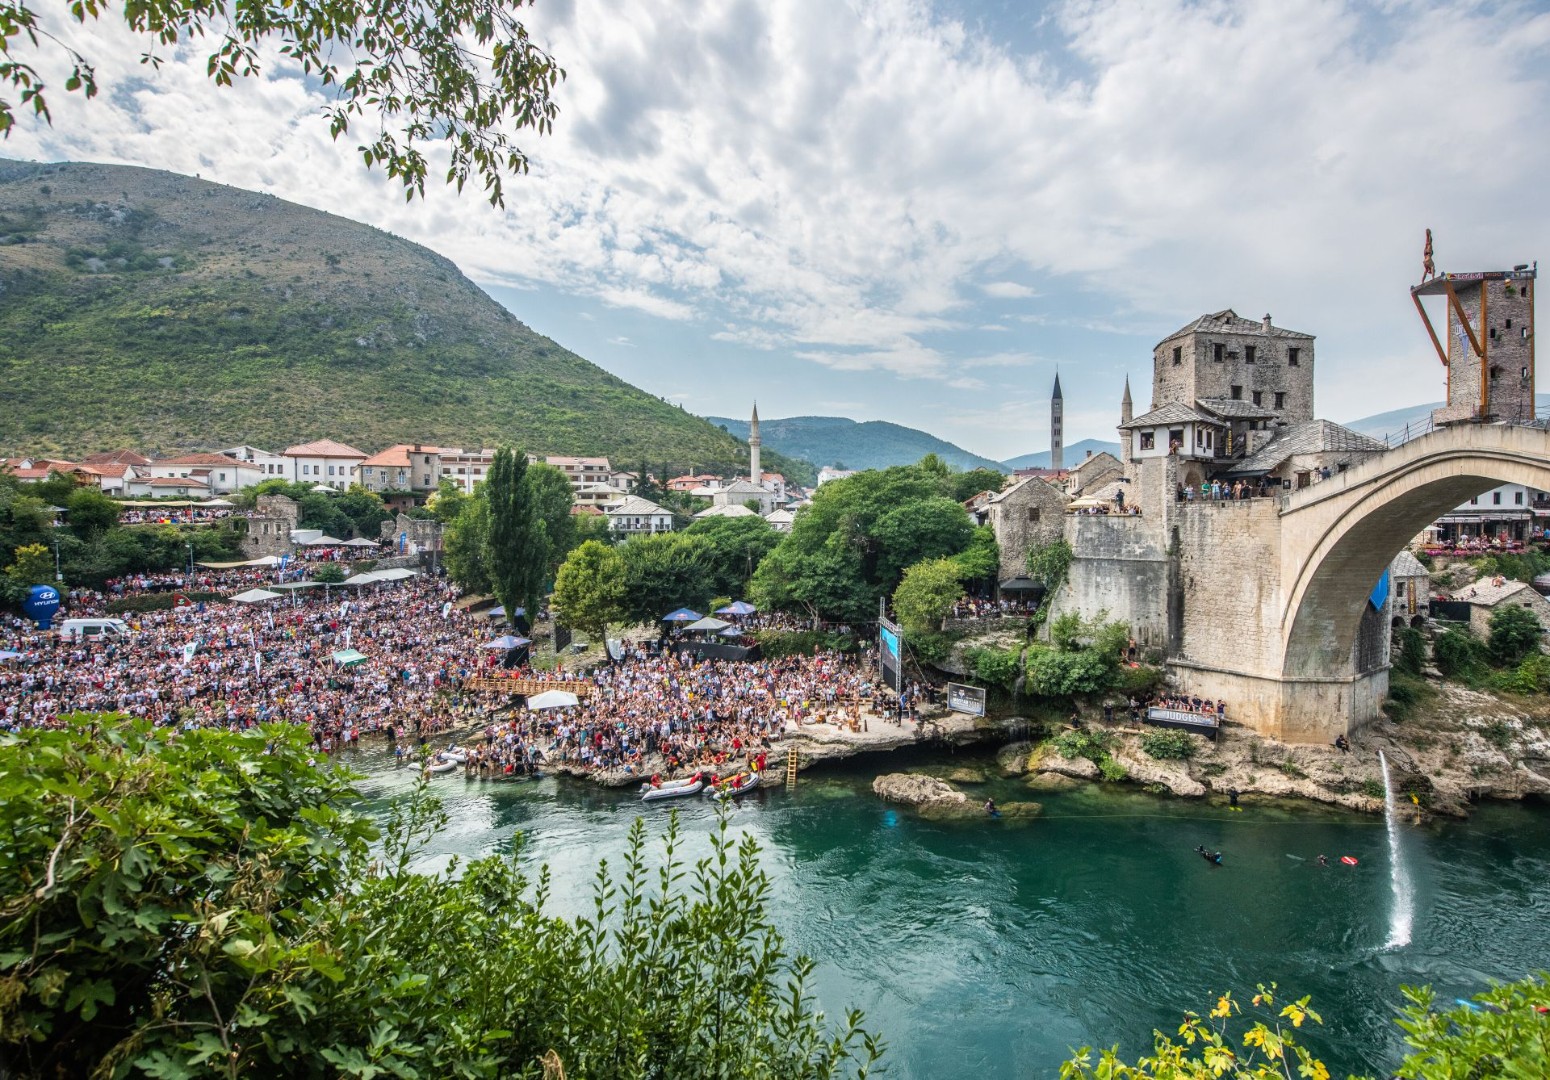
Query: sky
point(921, 211)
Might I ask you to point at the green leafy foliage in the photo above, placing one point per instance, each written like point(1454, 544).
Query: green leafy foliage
point(129, 605)
point(1457, 653)
point(664, 572)
point(981, 560)
point(329, 574)
point(1410, 651)
point(589, 590)
point(851, 546)
point(465, 546)
point(1168, 745)
point(414, 78)
point(926, 594)
point(518, 543)
point(1407, 693)
point(737, 547)
point(995, 667)
point(205, 906)
point(773, 644)
point(1515, 632)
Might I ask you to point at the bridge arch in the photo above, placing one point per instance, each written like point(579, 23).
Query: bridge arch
point(1339, 535)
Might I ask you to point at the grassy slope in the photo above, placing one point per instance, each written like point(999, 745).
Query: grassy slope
point(214, 316)
point(874, 444)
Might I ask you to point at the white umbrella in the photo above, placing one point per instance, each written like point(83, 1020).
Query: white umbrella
point(552, 699)
point(253, 596)
point(708, 623)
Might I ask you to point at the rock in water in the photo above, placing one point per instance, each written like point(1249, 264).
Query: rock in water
point(1013, 759)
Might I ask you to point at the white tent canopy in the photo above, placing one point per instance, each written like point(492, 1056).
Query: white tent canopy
point(324, 541)
point(360, 542)
point(552, 699)
point(254, 596)
point(708, 623)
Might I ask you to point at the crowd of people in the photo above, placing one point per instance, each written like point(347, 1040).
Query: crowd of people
point(1222, 491)
point(976, 607)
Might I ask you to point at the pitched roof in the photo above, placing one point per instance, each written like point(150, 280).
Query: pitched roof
point(1171, 413)
point(1049, 488)
point(1101, 457)
point(1228, 321)
point(585, 462)
point(198, 459)
point(1310, 437)
point(635, 506)
point(116, 457)
point(397, 455)
point(175, 481)
point(1487, 593)
point(105, 469)
point(1406, 565)
point(322, 448)
point(732, 510)
point(1232, 409)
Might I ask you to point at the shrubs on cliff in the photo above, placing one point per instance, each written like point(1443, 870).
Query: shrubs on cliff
point(1167, 745)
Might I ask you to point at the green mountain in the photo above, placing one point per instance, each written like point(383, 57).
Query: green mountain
point(151, 310)
point(1397, 422)
point(838, 441)
point(1070, 455)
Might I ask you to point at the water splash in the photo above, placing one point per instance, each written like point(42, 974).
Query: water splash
point(1403, 914)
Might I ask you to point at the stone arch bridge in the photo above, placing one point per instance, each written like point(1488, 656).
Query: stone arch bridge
point(1272, 614)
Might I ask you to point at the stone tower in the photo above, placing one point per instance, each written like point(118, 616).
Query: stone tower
point(1057, 419)
point(1126, 407)
point(755, 474)
point(1489, 352)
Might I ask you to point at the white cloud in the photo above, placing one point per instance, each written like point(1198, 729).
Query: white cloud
point(787, 178)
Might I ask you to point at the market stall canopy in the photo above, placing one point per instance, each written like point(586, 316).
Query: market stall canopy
point(1085, 503)
point(218, 502)
point(359, 542)
point(349, 658)
point(253, 596)
point(508, 641)
point(298, 585)
point(737, 607)
point(498, 612)
point(708, 623)
point(552, 699)
point(365, 578)
point(399, 573)
point(732, 631)
point(324, 541)
point(1022, 584)
point(683, 614)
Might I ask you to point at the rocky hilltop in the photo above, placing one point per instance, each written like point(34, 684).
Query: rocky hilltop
point(155, 310)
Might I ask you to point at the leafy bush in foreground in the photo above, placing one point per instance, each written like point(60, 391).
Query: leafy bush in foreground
point(1169, 745)
point(218, 912)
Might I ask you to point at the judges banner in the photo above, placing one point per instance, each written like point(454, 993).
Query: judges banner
point(966, 699)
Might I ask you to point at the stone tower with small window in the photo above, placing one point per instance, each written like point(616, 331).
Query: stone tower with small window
point(1223, 357)
point(1489, 351)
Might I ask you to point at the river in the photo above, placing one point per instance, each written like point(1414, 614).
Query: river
point(991, 948)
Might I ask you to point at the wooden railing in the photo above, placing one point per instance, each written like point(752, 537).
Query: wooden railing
point(512, 684)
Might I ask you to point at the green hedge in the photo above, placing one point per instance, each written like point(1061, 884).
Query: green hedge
point(157, 601)
point(777, 643)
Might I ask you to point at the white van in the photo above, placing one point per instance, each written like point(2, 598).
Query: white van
point(89, 629)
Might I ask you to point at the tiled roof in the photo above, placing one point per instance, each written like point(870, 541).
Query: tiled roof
point(635, 506)
point(1171, 413)
point(1229, 321)
point(1231, 409)
point(175, 481)
point(1406, 565)
point(104, 469)
point(1007, 493)
point(1485, 593)
point(116, 457)
point(732, 510)
point(1310, 437)
point(198, 459)
point(322, 448)
point(397, 456)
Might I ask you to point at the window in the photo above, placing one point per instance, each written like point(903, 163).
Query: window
point(1292, 357)
point(1259, 398)
point(1216, 351)
point(1280, 400)
point(1248, 354)
point(1033, 513)
point(1237, 393)
point(1148, 440)
point(1496, 498)
point(1475, 501)
point(330, 470)
point(1509, 324)
point(1178, 355)
point(1517, 497)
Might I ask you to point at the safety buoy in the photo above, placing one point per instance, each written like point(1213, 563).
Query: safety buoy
point(1348, 860)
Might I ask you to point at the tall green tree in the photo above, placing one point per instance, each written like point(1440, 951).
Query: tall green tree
point(552, 502)
point(32, 564)
point(364, 509)
point(461, 76)
point(966, 485)
point(91, 513)
point(926, 594)
point(519, 550)
point(466, 546)
point(666, 571)
point(738, 545)
point(590, 589)
point(447, 501)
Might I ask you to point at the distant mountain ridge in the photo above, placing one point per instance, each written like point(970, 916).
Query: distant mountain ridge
point(152, 310)
point(840, 441)
point(1071, 455)
point(1395, 421)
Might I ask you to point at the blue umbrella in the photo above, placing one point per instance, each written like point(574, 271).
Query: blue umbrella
point(737, 607)
point(683, 614)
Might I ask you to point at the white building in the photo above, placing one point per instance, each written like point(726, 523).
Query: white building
point(1511, 510)
point(272, 466)
point(466, 468)
point(220, 474)
point(323, 462)
point(580, 470)
point(167, 487)
point(634, 515)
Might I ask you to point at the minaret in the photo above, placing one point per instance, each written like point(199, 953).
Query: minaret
point(1057, 415)
point(754, 472)
point(1125, 417)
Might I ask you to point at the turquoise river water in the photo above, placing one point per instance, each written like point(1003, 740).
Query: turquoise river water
point(991, 948)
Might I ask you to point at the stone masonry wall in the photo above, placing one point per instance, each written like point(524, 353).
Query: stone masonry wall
point(1229, 576)
point(1198, 375)
point(1119, 566)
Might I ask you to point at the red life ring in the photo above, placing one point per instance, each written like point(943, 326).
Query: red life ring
point(1348, 860)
